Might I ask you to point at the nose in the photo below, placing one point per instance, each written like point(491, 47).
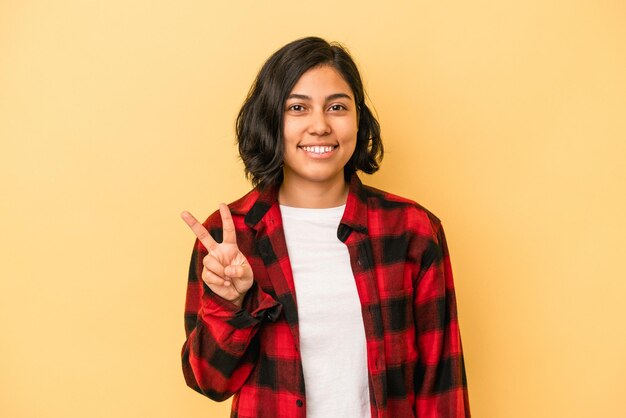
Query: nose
point(319, 123)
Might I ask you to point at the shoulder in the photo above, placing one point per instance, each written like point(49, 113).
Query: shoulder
point(398, 212)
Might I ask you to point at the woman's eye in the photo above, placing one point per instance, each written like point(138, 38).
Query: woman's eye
point(337, 107)
point(296, 108)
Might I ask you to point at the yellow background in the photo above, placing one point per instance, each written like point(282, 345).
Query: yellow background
point(506, 119)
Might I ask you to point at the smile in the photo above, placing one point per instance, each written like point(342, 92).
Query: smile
point(319, 149)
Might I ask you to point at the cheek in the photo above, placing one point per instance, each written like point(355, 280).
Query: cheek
point(348, 134)
point(291, 129)
point(287, 131)
point(349, 128)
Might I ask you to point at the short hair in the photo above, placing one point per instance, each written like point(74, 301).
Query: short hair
point(259, 124)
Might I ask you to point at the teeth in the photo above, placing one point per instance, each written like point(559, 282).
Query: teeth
point(318, 150)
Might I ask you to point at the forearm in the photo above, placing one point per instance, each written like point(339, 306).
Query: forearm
point(218, 355)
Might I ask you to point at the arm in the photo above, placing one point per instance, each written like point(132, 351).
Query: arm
point(219, 352)
point(441, 386)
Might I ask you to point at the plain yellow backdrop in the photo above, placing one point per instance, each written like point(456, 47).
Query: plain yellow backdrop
point(505, 118)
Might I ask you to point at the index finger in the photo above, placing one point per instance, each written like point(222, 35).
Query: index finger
point(203, 235)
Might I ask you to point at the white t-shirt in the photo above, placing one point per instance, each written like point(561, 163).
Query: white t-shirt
point(332, 335)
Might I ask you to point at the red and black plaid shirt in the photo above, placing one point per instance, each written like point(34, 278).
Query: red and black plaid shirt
point(402, 270)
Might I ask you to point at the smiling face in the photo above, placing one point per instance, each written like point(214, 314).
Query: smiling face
point(320, 129)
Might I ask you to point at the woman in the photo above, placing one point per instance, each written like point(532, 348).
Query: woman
point(320, 285)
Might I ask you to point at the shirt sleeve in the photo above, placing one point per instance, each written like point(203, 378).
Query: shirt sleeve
point(219, 352)
point(441, 385)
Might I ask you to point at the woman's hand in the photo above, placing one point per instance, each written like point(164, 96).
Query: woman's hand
point(226, 270)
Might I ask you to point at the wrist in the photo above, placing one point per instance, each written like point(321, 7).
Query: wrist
point(239, 301)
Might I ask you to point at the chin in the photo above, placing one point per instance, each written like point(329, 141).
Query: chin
point(319, 177)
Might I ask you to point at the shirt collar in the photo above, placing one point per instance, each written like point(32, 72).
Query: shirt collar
point(355, 215)
point(256, 204)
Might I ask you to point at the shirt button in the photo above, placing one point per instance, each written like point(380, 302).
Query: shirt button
point(299, 403)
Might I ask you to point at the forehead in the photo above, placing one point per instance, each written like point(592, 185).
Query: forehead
point(322, 80)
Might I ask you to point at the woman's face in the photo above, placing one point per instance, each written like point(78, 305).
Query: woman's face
point(320, 128)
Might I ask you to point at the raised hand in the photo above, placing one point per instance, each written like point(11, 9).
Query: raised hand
point(226, 270)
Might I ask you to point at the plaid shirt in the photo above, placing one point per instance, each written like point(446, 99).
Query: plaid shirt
point(402, 270)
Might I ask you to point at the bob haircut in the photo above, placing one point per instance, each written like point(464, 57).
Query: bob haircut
point(259, 124)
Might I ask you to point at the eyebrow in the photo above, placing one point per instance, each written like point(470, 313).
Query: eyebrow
point(328, 98)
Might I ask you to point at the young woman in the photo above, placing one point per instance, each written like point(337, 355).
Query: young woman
point(314, 295)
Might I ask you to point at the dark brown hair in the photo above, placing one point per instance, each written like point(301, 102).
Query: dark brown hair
point(259, 125)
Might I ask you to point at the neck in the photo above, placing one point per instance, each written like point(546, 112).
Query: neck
point(315, 195)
